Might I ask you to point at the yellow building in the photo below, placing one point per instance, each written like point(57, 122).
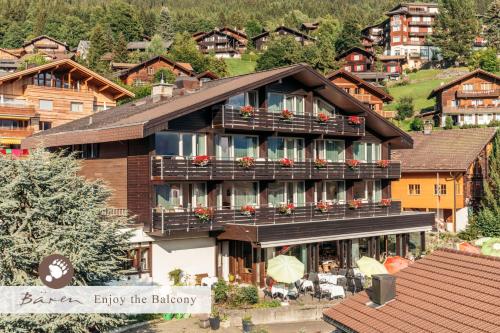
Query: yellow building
point(444, 173)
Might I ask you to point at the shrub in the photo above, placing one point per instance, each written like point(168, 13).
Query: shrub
point(175, 276)
point(494, 123)
point(221, 291)
point(268, 304)
point(448, 123)
point(405, 108)
point(417, 124)
point(465, 126)
point(166, 74)
point(246, 295)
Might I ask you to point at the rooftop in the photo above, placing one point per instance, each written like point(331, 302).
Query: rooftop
point(448, 291)
point(475, 73)
point(444, 150)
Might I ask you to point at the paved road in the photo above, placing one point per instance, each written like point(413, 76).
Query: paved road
point(191, 326)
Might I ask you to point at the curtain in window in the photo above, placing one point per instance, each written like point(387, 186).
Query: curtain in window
point(200, 194)
point(359, 149)
point(323, 107)
point(245, 146)
point(187, 144)
point(276, 148)
point(167, 143)
point(299, 104)
point(168, 195)
point(300, 194)
point(276, 194)
point(334, 150)
point(201, 144)
point(275, 102)
point(245, 193)
point(335, 191)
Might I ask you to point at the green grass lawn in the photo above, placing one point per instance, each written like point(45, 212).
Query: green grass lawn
point(239, 66)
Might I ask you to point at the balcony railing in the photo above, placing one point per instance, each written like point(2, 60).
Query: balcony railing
point(15, 132)
point(420, 23)
point(490, 108)
point(18, 108)
point(419, 33)
point(263, 119)
point(478, 93)
point(181, 168)
point(187, 219)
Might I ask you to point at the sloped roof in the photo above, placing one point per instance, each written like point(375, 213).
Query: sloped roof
point(356, 49)
point(282, 27)
point(42, 37)
point(69, 63)
point(185, 67)
point(208, 74)
point(9, 52)
point(448, 291)
point(144, 117)
point(467, 76)
point(375, 90)
point(444, 150)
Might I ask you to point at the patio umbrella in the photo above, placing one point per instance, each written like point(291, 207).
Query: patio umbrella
point(286, 269)
point(369, 266)
point(468, 247)
point(396, 263)
point(491, 247)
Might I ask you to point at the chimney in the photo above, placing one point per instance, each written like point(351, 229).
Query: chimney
point(188, 83)
point(162, 89)
point(384, 288)
point(427, 128)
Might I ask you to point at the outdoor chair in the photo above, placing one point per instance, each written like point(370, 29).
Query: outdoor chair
point(342, 271)
point(342, 282)
point(313, 277)
point(267, 290)
point(317, 292)
point(198, 278)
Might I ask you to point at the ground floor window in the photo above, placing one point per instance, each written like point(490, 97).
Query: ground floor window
point(139, 259)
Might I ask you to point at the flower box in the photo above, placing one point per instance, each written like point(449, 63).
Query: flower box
point(385, 202)
point(323, 117)
point(320, 163)
point(247, 210)
point(355, 204)
point(247, 111)
point(383, 163)
point(287, 209)
point(286, 162)
point(286, 114)
point(246, 162)
point(352, 163)
point(354, 120)
point(201, 160)
point(204, 214)
point(322, 207)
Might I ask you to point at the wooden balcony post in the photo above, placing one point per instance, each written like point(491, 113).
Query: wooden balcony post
point(422, 241)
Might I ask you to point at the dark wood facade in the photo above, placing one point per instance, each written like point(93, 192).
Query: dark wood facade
point(261, 40)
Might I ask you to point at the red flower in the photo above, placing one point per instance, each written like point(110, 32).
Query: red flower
point(203, 213)
point(320, 163)
point(247, 111)
point(354, 204)
point(285, 114)
point(286, 162)
point(385, 202)
point(323, 117)
point(322, 206)
point(247, 210)
point(247, 162)
point(383, 163)
point(352, 163)
point(201, 160)
point(354, 120)
point(287, 209)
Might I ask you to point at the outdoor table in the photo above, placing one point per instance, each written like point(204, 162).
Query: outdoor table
point(209, 281)
point(306, 284)
point(329, 278)
point(279, 289)
point(333, 290)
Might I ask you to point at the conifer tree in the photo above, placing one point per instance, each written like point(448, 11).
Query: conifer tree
point(349, 35)
point(156, 47)
point(47, 208)
point(120, 52)
point(100, 43)
point(165, 26)
point(492, 23)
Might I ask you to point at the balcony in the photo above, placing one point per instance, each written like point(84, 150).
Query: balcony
point(478, 93)
point(17, 133)
point(265, 120)
point(17, 108)
point(491, 108)
point(186, 219)
point(420, 23)
point(180, 168)
point(419, 33)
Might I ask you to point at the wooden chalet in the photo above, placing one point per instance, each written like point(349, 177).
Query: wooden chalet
point(260, 40)
point(357, 59)
point(8, 61)
point(49, 95)
point(207, 76)
point(309, 27)
point(364, 91)
point(45, 44)
point(144, 72)
point(223, 42)
point(228, 174)
point(472, 99)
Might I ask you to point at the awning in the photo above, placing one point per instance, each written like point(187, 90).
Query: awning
point(10, 141)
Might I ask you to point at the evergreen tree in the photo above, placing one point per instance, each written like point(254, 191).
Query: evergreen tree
point(455, 29)
point(252, 29)
point(120, 52)
point(14, 36)
point(149, 19)
point(47, 208)
point(487, 220)
point(100, 44)
point(122, 17)
point(492, 23)
point(349, 35)
point(156, 47)
point(281, 51)
point(165, 26)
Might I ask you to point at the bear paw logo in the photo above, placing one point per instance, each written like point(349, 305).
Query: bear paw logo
point(57, 269)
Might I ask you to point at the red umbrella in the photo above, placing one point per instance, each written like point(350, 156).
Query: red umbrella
point(395, 264)
point(468, 247)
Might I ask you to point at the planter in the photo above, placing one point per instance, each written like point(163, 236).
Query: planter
point(204, 322)
point(247, 326)
point(214, 323)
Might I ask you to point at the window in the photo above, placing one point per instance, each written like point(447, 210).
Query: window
point(321, 106)
point(415, 19)
point(330, 150)
point(278, 102)
point(229, 147)
point(286, 192)
point(396, 39)
point(485, 86)
point(427, 18)
point(367, 151)
point(477, 102)
point(347, 68)
point(180, 144)
point(76, 107)
point(247, 98)
point(45, 105)
point(331, 191)
point(168, 195)
point(414, 29)
point(439, 189)
point(245, 193)
point(44, 125)
point(138, 260)
point(151, 71)
point(368, 190)
point(396, 27)
point(356, 57)
point(467, 87)
point(279, 147)
point(90, 150)
point(359, 68)
point(414, 189)
point(454, 103)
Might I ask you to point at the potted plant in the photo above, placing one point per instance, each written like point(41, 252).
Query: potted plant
point(214, 319)
point(204, 321)
point(354, 120)
point(286, 162)
point(383, 163)
point(322, 207)
point(247, 210)
point(287, 209)
point(355, 204)
point(320, 163)
point(247, 111)
point(247, 324)
point(286, 114)
point(323, 117)
point(204, 214)
point(385, 202)
point(352, 163)
point(201, 160)
point(246, 162)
